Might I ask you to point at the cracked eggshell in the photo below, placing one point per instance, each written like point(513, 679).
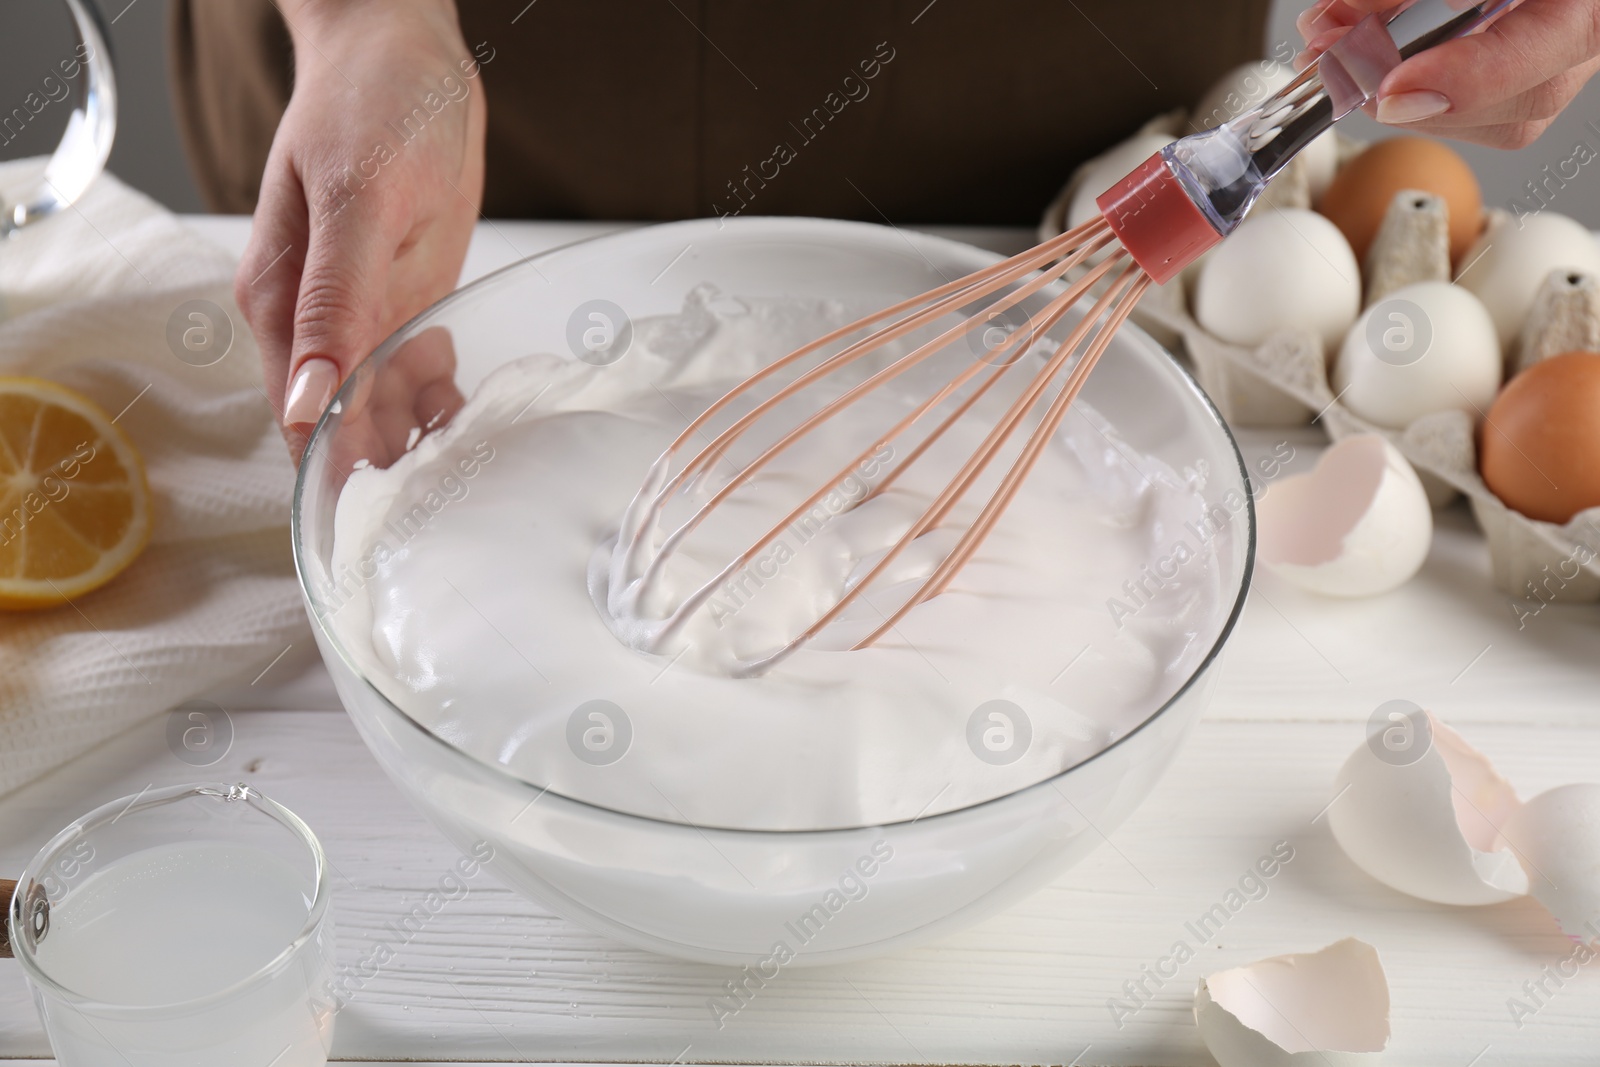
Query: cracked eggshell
point(1357, 524)
point(1513, 258)
point(1556, 835)
point(1429, 827)
point(1328, 1008)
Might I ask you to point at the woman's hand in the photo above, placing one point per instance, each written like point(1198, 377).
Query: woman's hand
point(1499, 87)
point(369, 196)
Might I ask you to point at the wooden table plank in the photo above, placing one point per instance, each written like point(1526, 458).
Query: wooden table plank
point(496, 977)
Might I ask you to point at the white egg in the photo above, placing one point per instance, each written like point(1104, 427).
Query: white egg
point(1418, 808)
point(1107, 169)
point(1426, 347)
point(1508, 264)
point(1190, 278)
point(1242, 88)
point(1247, 86)
point(1356, 524)
point(1322, 162)
point(1280, 270)
point(1328, 1008)
point(1556, 835)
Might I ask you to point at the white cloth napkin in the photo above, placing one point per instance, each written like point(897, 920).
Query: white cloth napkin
point(85, 299)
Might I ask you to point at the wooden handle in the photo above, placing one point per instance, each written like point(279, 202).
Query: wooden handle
point(8, 886)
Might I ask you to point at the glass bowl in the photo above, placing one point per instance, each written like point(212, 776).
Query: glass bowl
point(730, 896)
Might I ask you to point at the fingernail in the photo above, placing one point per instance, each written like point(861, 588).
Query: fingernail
point(1312, 23)
point(1401, 108)
point(310, 391)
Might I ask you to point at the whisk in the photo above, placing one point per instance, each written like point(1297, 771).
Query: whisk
point(1153, 223)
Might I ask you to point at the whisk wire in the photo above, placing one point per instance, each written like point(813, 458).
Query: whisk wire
point(710, 452)
point(1026, 275)
point(941, 300)
point(980, 459)
point(974, 538)
point(1076, 245)
point(1024, 341)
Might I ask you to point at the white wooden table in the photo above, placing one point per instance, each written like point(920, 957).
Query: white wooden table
point(496, 978)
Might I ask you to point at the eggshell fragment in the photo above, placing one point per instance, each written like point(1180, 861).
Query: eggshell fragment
point(1556, 836)
point(1509, 263)
point(1428, 825)
point(1327, 1007)
point(1282, 270)
point(1357, 524)
point(1423, 348)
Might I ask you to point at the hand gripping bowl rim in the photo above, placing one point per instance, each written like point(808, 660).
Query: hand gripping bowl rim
point(808, 227)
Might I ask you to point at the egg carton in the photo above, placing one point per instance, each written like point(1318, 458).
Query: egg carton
point(1284, 382)
point(1530, 558)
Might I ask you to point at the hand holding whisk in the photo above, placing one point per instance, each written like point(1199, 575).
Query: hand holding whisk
point(1157, 220)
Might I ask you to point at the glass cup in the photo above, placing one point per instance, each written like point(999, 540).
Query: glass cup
point(181, 927)
point(91, 125)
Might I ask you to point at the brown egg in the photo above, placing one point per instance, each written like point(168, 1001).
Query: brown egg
point(1362, 191)
point(1540, 450)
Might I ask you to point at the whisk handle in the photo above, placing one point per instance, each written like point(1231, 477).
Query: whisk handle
point(1198, 189)
point(1354, 66)
point(1430, 22)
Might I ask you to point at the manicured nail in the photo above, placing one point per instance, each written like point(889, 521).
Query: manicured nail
point(1311, 23)
point(1411, 107)
point(310, 391)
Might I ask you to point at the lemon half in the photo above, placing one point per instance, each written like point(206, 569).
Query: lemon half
point(74, 503)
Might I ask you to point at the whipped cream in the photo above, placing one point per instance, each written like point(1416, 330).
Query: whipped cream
point(478, 583)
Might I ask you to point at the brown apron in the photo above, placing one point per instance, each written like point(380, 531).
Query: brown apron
point(944, 112)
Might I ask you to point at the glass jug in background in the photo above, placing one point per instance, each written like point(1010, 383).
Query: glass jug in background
point(80, 80)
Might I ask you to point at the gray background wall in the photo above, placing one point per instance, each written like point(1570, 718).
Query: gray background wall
point(36, 34)
point(148, 155)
